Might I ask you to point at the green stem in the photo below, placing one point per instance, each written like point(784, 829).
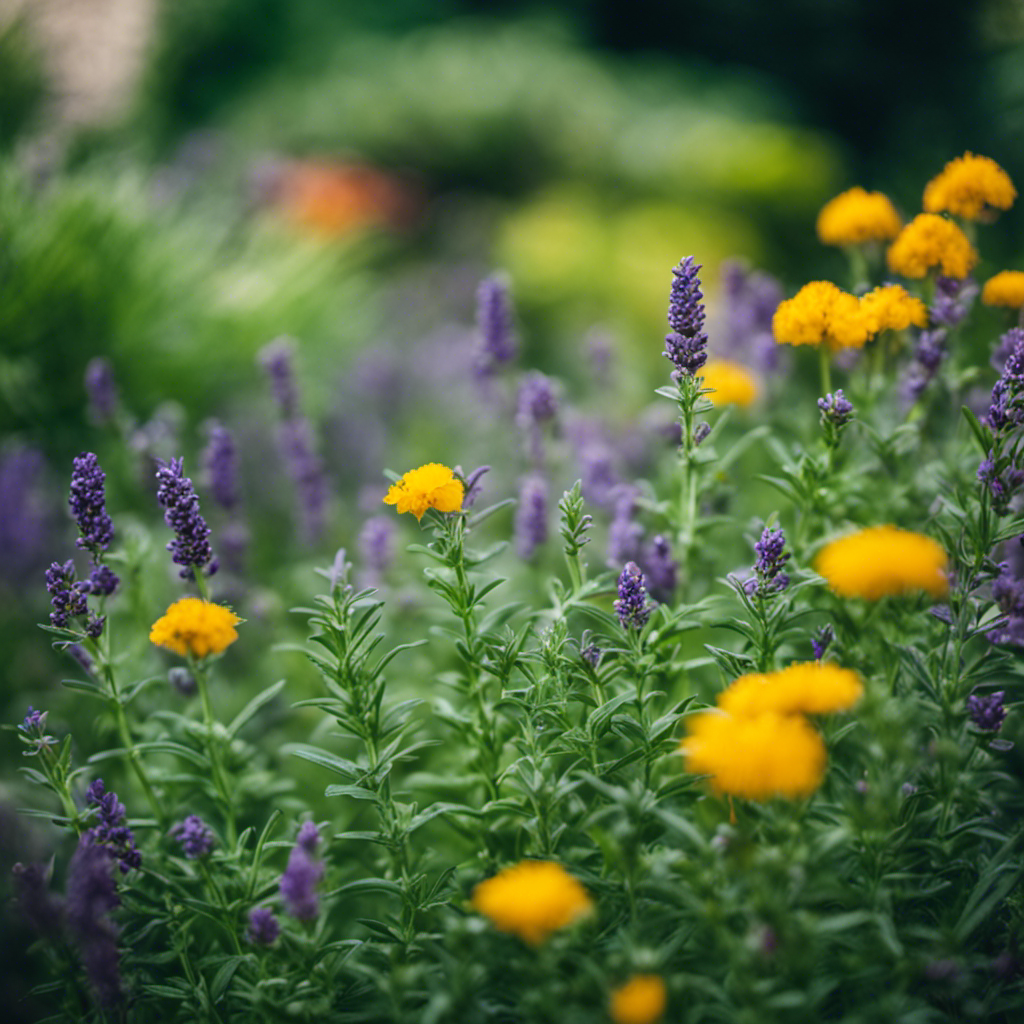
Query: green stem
point(202, 584)
point(213, 750)
point(825, 360)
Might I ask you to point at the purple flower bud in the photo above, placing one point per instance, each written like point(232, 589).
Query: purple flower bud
point(66, 596)
point(771, 559)
point(821, 641)
point(987, 713)
point(836, 409)
point(686, 345)
point(110, 830)
point(103, 581)
point(264, 927)
point(953, 300)
point(497, 342)
point(309, 837)
point(102, 391)
point(531, 515)
point(182, 680)
point(35, 721)
point(88, 504)
point(300, 880)
point(194, 835)
point(220, 461)
point(472, 484)
point(175, 493)
point(591, 654)
point(632, 607)
point(700, 434)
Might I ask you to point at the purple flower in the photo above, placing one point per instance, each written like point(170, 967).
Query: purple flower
point(700, 434)
point(88, 504)
point(375, 546)
point(929, 353)
point(987, 713)
point(194, 835)
point(102, 391)
point(686, 345)
point(1007, 343)
point(821, 641)
point(631, 606)
point(497, 342)
point(771, 559)
point(953, 300)
point(531, 515)
point(35, 721)
point(536, 404)
point(220, 460)
point(91, 895)
point(1007, 393)
point(264, 927)
point(26, 521)
point(42, 911)
point(82, 656)
point(836, 409)
point(591, 654)
point(103, 581)
point(110, 830)
point(67, 597)
point(472, 484)
point(661, 569)
point(305, 467)
point(750, 300)
point(183, 681)
point(301, 877)
point(309, 837)
point(624, 533)
point(175, 493)
point(277, 359)
point(1008, 593)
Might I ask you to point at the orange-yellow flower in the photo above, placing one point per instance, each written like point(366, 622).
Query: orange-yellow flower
point(532, 899)
point(820, 314)
point(891, 308)
point(733, 383)
point(973, 187)
point(1004, 289)
point(196, 627)
point(756, 757)
point(640, 1001)
point(882, 561)
point(430, 486)
point(931, 241)
point(857, 216)
point(813, 688)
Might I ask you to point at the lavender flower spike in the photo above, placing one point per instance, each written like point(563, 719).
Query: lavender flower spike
point(110, 830)
point(631, 606)
point(661, 567)
point(302, 875)
point(771, 558)
point(277, 359)
point(88, 504)
point(194, 835)
point(497, 341)
point(531, 515)
point(91, 895)
point(220, 460)
point(264, 927)
point(102, 391)
point(686, 346)
point(191, 545)
point(835, 409)
point(987, 713)
point(821, 641)
point(66, 596)
point(376, 547)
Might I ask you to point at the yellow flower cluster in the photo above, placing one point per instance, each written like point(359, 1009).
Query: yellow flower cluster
point(820, 314)
point(196, 627)
point(931, 241)
point(532, 899)
point(973, 187)
point(1004, 289)
point(732, 383)
point(430, 486)
point(640, 1001)
point(891, 308)
point(858, 216)
point(810, 687)
point(881, 561)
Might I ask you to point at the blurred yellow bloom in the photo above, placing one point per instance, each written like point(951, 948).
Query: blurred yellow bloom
point(970, 186)
point(196, 627)
point(1004, 289)
point(532, 899)
point(430, 486)
point(813, 688)
point(882, 561)
point(733, 383)
point(755, 757)
point(640, 1001)
point(820, 314)
point(857, 216)
point(891, 308)
point(931, 241)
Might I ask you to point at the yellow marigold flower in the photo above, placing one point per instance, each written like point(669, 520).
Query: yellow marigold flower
point(733, 383)
point(756, 757)
point(970, 186)
point(931, 241)
point(883, 560)
point(857, 216)
point(194, 626)
point(891, 308)
point(532, 899)
point(430, 486)
point(812, 687)
point(1004, 289)
point(820, 314)
point(640, 1001)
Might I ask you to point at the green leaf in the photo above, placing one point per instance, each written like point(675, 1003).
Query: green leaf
point(253, 706)
point(223, 977)
point(356, 792)
point(178, 749)
point(348, 769)
point(368, 885)
point(981, 433)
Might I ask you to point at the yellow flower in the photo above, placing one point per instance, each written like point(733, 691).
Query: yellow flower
point(970, 186)
point(857, 216)
point(531, 899)
point(640, 1001)
point(1004, 289)
point(820, 314)
point(430, 486)
point(931, 241)
point(196, 627)
point(813, 688)
point(755, 757)
point(883, 560)
point(891, 308)
point(733, 383)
